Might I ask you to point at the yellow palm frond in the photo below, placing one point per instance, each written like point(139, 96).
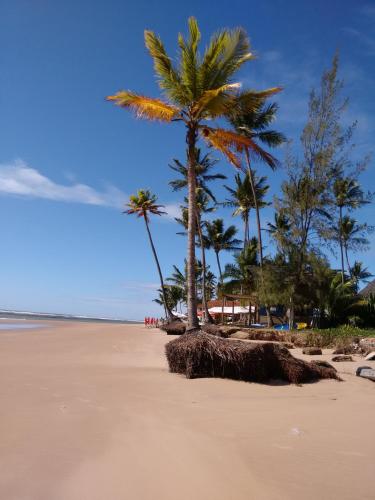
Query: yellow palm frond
point(227, 138)
point(229, 143)
point(216, 102)
point(145, 107)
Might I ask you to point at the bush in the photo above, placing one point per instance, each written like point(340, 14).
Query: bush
point(203, 355)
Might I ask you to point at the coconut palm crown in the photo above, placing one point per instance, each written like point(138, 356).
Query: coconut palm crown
point(143, 203)
point(199, 87)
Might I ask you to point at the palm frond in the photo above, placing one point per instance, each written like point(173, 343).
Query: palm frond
point(235, 51)
point(216, 102)
point(250, 101)
point(263, 155)
point(229, 143)
point(271, 137)
point(169, 79)
point(145, 107)
point(190, 59)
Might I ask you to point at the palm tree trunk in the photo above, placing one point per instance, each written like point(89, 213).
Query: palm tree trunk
point(251, 178)
point(193, 322)
point(341, 247)
point(168, 312)
point(204, 297)
point(246, 230)
point(291, 314)
point(259, 228)
point(347, 260)
point(219, 266)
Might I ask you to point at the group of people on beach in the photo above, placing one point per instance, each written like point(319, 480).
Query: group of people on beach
point(151, 322)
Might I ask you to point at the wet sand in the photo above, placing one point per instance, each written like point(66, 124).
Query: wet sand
point(90, 412)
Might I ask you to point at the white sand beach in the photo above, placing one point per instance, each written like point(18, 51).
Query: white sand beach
point(89, 411)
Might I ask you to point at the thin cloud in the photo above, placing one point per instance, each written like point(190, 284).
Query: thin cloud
point(19, 179)
point(367, 41)
point(135, 285)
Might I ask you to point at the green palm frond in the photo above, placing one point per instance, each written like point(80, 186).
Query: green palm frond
point(168, 77)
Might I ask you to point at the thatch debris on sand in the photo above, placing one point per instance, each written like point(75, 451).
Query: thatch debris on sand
point(342, 357)
point(174, 328)
point(220, 330)
point(312, 351)
point(202, 355)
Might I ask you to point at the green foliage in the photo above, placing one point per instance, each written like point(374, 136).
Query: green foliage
point(203, 171)
point(220, 238)
point(241, 277)
point(174, 295)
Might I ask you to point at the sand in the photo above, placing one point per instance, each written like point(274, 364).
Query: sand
point(90, 412)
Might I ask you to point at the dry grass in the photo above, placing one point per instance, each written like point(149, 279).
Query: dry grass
point(202, 355)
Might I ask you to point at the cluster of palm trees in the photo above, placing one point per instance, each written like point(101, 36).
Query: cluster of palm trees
point(198, 90)
point(350, 234)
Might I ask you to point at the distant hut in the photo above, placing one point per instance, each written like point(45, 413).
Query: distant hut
point(368, 290)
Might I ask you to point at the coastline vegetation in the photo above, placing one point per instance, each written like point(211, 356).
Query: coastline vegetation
point(314, 212)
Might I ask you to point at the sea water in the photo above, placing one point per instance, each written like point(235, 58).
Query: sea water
point(19, 326)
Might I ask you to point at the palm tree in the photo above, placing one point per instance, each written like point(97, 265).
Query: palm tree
point(359, 273)
point(173, 294)
point(242, 198)
point(143, 204)
point(204, 165)
point(180, 279)
point(347, 194)
point(203, 193)
point(339, 297)
point(218, 238)
point(254, 126)
point(202, 207)
point(199, 88)
point(353, 236)
point(242, 274)
point(279, 230)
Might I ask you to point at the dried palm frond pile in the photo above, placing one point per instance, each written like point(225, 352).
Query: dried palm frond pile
point(203, 355)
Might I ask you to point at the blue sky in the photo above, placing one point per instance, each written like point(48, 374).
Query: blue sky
point(68, 159)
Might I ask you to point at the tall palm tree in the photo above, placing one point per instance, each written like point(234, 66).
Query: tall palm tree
point(199, 88)
point(202, 207)
point(242, 198)
point(203, 167)
point(218, 238)
point(143, 204)
point(254, 126)
point(353, 236)
point(347, 194)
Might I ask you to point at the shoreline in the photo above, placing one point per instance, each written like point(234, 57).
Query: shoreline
point(89, 410)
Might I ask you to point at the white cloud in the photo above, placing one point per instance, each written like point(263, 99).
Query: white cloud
point(18, 178)
point(173, 210)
